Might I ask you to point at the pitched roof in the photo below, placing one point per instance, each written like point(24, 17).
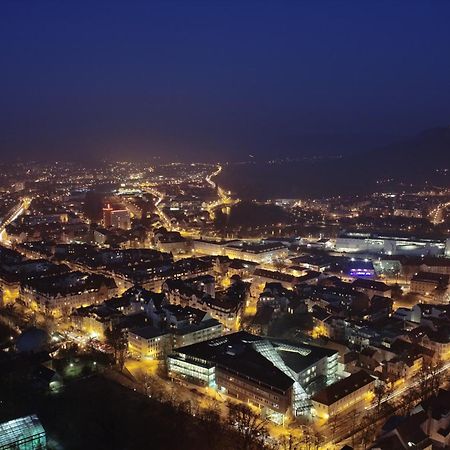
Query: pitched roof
point(331, 394)
point(371, 284)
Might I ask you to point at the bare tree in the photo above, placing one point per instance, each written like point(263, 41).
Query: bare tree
point(382, 392)
point(306, 439)
point(354, 419)
point(117, 339)
point(249, 426)
point(211, 425)
point(368, 431)
point(333, 423)
point(437, 376)
point(289, 442)
point(317, 439)
point(429, 380)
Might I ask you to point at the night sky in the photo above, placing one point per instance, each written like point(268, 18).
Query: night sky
point(219, 79)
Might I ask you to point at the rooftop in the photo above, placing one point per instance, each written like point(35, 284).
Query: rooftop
point(20, 430)
point(371, 284)
point(431, 277)
point(148, 332)
point(249, 356)
point(70, 283)
point(331, 394)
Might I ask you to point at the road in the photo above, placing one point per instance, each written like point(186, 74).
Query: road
point(18, 211)
point(224, 196)
point(213, 175)
point(437, 214)
point(350, 424)
point(164, 218)
point(223, 200)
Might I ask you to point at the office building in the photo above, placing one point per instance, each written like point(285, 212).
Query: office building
point(272, 375)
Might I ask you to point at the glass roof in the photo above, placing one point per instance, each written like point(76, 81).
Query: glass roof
point(20, 429)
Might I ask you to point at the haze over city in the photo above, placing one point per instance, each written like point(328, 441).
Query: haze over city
point(219, 80)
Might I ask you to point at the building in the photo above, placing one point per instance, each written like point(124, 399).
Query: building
point(356, 242)
point(433, 285)
point(107, 213)
point(116, 217)
point(207, 247)
point(60, 294)
point(94, 320)
point(262, 252)
point(170, 241)
point(403, 212)
point(262, 276)
point(12, 275)
point(196, 332)
point(120, 218)
point(24, 433)
point(426, 428)
point(372, 288)
point(272, 375)
point(225, 306)
point(343, 395)
point(149, 342)
point(405, 435)
point(183, 326)
point(266, 252)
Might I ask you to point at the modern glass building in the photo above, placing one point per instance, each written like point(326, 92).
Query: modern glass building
point(24, 433)
point(273, 375)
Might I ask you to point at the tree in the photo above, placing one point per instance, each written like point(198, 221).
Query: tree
point(250, 427)
point(436, 376)
point(279, 264)
point(289, 443)
point(397, 290)
point(368, 431)
point(148, 384)
point(333, 423)
point(311, 438)
point(117, 339)
point(382, 392)
point(317, 439)
point(306, 439)
point(211, 426)
point(429, 380)
point(354, 419)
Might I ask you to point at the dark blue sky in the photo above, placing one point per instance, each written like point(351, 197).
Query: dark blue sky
point(221, 78)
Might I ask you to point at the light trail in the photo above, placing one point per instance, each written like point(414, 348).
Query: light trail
point(409, 386)
point(161, 213)
point(24, 205)
point(437, 214)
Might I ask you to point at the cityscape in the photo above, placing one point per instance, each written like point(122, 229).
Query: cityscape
point(241, 300)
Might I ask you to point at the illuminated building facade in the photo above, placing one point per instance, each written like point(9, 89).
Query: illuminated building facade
point(344, 395)
point(107, 212)
point(120, 218)
point(433, 285)
point(148, 342)
point(389, 245)
point(116, 218)
point(60, 294)
point(263, 252)
point(269, 374)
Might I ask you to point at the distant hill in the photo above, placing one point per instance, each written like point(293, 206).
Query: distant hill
point(419, 160)
point(419, 156)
